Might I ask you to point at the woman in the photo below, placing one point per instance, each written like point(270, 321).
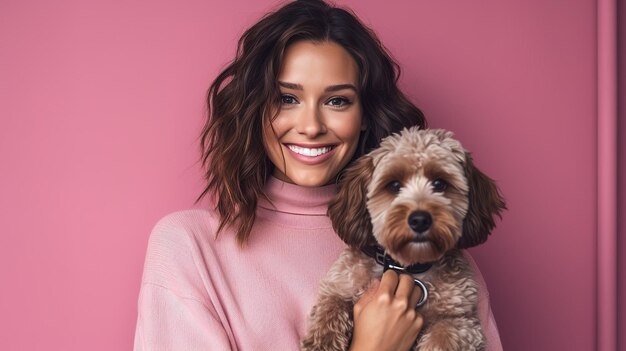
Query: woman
point(310, 90)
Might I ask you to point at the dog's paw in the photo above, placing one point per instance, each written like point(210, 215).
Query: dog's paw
point(331, 327)
point(325, 340)
point(458, 334)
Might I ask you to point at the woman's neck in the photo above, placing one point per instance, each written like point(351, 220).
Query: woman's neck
point(296, 199)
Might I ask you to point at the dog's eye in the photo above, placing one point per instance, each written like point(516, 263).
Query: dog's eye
point(394, 186)
point(439, 185)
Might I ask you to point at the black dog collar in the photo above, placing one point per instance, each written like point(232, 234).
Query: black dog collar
point(383, 259)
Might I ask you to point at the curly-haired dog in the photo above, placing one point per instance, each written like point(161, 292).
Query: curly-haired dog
point(409, 205)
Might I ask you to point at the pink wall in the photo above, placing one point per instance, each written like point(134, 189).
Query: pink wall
point(101, 104)
point(622, 176)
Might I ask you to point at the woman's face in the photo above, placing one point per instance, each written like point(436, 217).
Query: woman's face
point(318, 125)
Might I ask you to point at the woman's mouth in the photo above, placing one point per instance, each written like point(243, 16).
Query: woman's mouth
point(311, 152)
point(311, 155)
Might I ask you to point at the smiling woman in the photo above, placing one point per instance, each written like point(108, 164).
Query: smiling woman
point(315, 131)
point(310, 90)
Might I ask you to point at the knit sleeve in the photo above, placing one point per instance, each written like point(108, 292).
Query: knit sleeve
point(167, 321)
point(174, 312)
point(485, 314)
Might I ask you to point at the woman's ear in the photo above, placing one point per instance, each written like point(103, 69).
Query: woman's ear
point(348, 211)
point(485, 201)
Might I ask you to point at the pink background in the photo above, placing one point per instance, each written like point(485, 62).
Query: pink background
point(621, 154)
point(101, 104)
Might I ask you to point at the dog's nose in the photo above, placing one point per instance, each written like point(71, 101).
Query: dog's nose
point(420, 221)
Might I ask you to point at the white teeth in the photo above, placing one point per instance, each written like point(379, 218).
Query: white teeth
point(308, 151)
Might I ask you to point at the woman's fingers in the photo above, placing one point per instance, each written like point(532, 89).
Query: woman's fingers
point(399, 289)
point(385, 317)
point(389, 282)
point(366, 297)
point(405, 288)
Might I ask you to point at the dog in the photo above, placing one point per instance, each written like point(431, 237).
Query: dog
point(412, 205)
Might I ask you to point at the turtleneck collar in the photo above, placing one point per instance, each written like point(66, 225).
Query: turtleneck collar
point(295, 199)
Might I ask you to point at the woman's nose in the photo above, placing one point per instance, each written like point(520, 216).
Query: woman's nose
point(310, 122)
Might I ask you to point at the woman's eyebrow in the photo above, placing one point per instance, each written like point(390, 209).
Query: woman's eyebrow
point(340, 87)
point(330, 88)
point(291, 85)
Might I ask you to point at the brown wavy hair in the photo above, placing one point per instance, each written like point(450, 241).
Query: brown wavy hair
point(233, 156)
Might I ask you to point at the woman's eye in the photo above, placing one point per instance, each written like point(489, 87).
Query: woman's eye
point(288, 99)
point(439, 185)
point(338, 101)
point(394, 187)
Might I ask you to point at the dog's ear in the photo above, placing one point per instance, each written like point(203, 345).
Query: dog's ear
point(347, 210)
point(485, 201)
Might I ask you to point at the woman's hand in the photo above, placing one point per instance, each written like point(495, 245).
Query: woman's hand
point(385, 317)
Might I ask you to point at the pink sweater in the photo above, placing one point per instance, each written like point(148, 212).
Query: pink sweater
point(202, 293)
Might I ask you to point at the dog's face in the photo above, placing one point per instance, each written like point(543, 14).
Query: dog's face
point(418, 195)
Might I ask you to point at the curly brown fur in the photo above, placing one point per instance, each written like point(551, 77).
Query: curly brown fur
point(485, 201)
point(379, 197)
point(350, 203)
